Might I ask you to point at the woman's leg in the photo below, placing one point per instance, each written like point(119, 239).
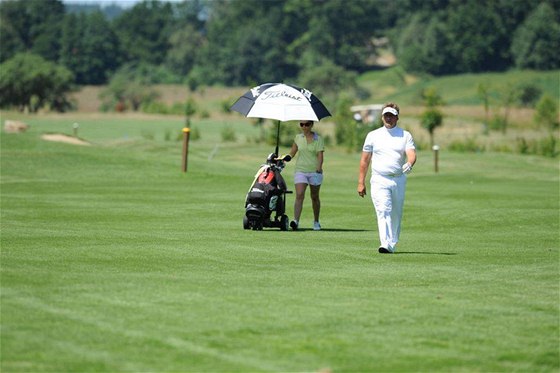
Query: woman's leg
point(298, 203)
point(315, 201)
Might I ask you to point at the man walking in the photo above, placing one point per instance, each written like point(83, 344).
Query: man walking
point(392, 153)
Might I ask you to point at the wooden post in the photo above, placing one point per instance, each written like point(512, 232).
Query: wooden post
point(186, 133)
point(435, 148)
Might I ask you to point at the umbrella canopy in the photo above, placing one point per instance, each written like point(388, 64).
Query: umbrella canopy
point(283, 102)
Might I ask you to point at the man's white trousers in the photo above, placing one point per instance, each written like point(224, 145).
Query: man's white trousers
point(387, 194)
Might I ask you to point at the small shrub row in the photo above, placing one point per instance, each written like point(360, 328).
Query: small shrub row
point(547, 147)
point(177, 108)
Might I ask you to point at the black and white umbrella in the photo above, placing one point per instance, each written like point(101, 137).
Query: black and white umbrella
point(283, 102)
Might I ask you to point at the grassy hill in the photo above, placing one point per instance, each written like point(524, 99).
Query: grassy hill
point(457, 90)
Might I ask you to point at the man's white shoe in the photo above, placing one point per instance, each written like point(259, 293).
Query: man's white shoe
point(316, 226)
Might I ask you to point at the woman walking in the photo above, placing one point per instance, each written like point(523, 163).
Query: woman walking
point(309, 171)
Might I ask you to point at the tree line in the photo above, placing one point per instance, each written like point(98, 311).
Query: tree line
point(320, 43)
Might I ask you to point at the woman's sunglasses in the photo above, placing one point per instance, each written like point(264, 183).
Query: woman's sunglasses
point(307, 124)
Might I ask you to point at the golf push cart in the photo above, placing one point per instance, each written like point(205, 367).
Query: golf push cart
point(265, 204)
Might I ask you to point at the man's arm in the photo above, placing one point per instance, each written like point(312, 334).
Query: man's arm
point(411, 156)
point(364, 164)
point(410, 160)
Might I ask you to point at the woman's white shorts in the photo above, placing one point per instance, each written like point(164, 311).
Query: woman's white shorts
point(311, 178)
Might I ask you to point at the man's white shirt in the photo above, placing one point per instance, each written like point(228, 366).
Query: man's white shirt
point(388, 147)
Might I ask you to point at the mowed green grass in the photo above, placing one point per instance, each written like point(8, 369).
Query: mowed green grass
point(114, 260)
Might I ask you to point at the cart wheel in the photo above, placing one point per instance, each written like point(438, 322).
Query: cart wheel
point(284, 223)
point(246, 223)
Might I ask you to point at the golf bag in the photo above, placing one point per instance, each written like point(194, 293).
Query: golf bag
point(265, 204)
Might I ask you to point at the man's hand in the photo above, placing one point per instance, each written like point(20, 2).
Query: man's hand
point(406, 168)
point(361, 190)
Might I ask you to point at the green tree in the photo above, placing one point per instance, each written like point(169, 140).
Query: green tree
point(46, 22)
point(431, 98)
point(89, 47)
point(31, 26)
point(29, 82)
point(457, 36)
point(536, 41)
point(144, 31)
point(478, 37)
point(348, 131)
point(435, 48)
point(529, 94)
point(409, 50)
point(546, 112)
point(127, 92)
point(255, 41)
point(184, 46)
point(190, 110)
point(483, 91)
point(13, 27)
point(339, 31)
point(509, 95)
point(244, 44)
point(432, 118)
point(423, 45)
point(327, 80)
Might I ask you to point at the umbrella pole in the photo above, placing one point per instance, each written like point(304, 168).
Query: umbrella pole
point(277, 136)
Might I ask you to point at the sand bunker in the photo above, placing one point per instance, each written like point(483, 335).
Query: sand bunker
point(64, 138)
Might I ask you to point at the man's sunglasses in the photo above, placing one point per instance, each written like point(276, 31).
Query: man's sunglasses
point(307, 124)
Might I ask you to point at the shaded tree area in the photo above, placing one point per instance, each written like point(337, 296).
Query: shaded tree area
point(89, 48)
point(29, 82)
point(326, 43)
point(462, 36)
point(32, 26)
point(536, 42)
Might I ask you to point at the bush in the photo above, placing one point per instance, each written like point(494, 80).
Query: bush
point(524, 147)
point(123, 90)
point(546, 112)
point(154, 107)
point(228, 134)
point(225, 105)
point(469, 145)
point(547, 147)
point(529, 94)
point(190, 107)
point(497, 123)
point(501, 148)
point(288, 132)
point(177, 109)
point(195, 134)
